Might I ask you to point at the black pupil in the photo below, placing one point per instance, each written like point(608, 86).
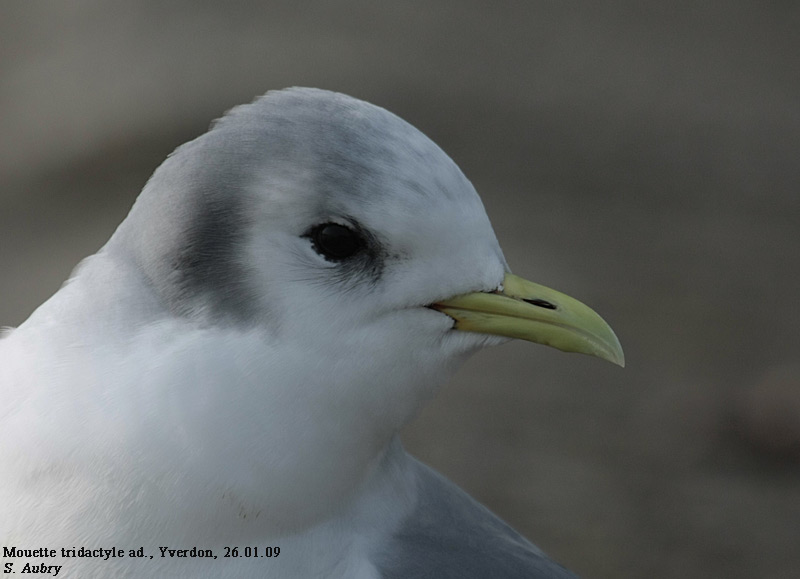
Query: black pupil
point(336, 241)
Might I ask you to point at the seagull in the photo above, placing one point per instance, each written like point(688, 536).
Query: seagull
point(217, 392)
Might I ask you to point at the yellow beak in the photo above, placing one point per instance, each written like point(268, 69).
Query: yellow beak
point(529, 311)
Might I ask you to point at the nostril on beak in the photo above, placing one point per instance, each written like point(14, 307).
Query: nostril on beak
point(541, 303)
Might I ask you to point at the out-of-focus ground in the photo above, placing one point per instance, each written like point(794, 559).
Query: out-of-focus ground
point(643, 157)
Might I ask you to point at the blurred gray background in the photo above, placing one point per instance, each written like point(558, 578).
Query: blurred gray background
point(642, 157)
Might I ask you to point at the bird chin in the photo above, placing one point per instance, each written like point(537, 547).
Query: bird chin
point(468, 343)
point(489, 340)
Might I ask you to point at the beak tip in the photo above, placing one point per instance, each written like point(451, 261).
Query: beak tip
point(615, 355)
point(618, 356)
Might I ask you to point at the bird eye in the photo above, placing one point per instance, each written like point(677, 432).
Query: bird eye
point(336, 242)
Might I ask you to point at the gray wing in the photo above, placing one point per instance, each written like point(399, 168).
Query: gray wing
point(449, 535)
